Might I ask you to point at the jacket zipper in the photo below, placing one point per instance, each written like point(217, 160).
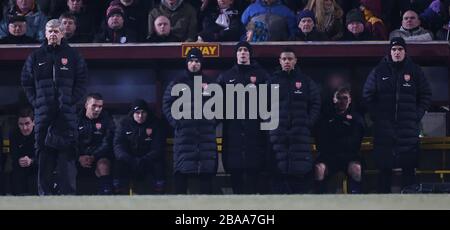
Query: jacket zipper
point(395, 74)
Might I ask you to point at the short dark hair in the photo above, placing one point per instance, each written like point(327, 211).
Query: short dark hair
point(26, 112)
point(69, 16)
point(287, 50)
point(96, 96)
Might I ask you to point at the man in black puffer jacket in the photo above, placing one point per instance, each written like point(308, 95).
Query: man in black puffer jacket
point(139, 150)
point(95, 152)
point(397, 95)
point(54, 78)
point(244, 152)
point(299, 106)
point(195, 148)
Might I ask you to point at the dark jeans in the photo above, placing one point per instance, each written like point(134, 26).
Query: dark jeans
point(200, 184)
point(63, 162)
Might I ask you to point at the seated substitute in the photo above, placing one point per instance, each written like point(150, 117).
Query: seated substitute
point(339, 141)
point(24, 167)
point(138, 147)
point(95, 152)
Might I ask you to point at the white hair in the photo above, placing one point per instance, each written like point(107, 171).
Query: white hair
point(54, 23)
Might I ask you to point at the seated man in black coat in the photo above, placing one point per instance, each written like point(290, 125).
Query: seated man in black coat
point(17, 29)
point(306, 28)
point(95, 151)
point(162, 31)
point(115, 30)
point(71, 30)
point(24, 173)
point(338, 141)
point(139, 150)
point(221, 24)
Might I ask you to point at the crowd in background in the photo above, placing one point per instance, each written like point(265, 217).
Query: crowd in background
point(125, 21)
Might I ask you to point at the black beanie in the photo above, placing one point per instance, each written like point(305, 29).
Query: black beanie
point(244, 44)
point(16, 18)
point(194, 53)
point(354, 15)
point(397, 41)
point(139, 104)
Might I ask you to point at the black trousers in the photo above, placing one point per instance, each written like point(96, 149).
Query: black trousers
point(385, 178)
point(245, 181)
point(150, 172)
point(24, 180)
point(63, 163)
point(292, 184)
point(200, 184)
point(407, 163)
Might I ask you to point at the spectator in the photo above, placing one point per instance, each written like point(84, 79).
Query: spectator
point(270, 16)
point(339, 142)
point(35, 19)
point(17, 29)
point(95, 150)
point(139, 149)
point(222, 24)
point(307, 28)
point(397, 94)
point(372, 11)
point(84, 18)
point(162, 30)
point(115, 30)
point(299, 106)
point(433, 17)
point(244, 153)
point(54, 78)
point(135, 16)
point(183, 19)
point(355, 30)
point(195, 148)
point(411, 29)
point(71, 34)
point(24, 173)
point(443, 32)
point(329, 17)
